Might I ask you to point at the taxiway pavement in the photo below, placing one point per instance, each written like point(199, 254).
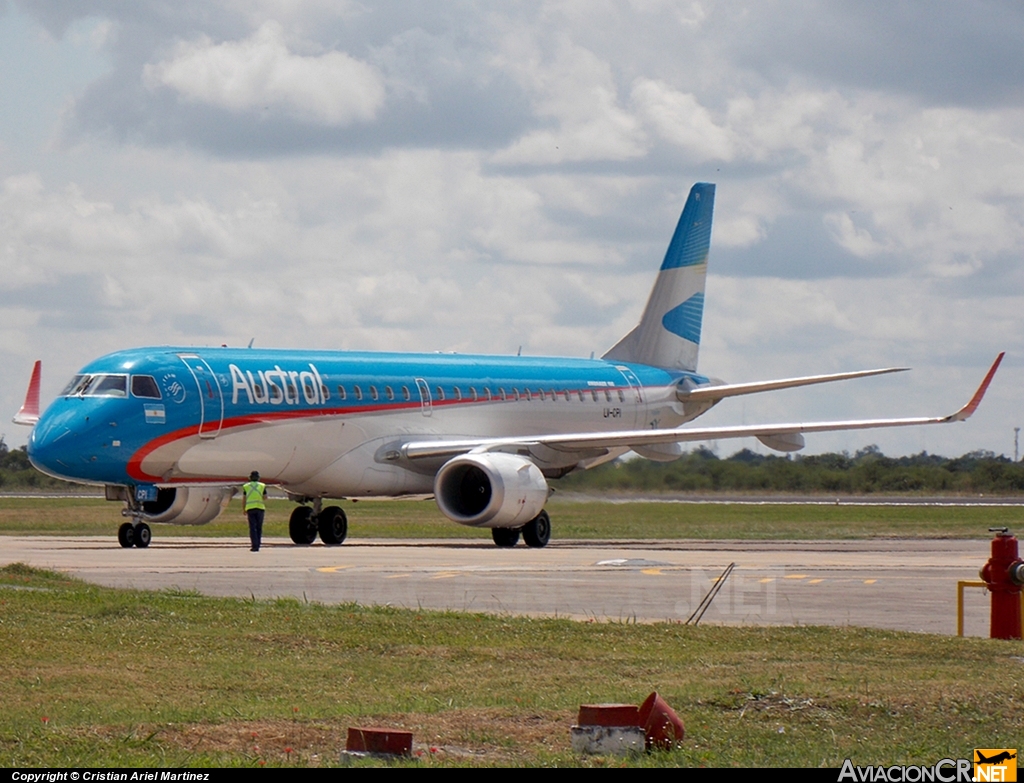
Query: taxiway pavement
point(898, 584)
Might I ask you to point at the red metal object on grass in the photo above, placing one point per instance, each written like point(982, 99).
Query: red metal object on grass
point(609, 715)
point(663, 727)
point(1003, 575)
point(376, 740)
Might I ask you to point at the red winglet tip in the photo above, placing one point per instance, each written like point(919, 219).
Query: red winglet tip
point(966, 411)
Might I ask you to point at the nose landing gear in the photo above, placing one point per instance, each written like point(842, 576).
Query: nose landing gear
point(129, 535)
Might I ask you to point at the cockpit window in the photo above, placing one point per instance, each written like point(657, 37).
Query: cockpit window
point(145, 386)
point(75, 385)
point(106, 386)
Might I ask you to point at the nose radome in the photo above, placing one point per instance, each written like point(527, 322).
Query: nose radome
point(50, 444)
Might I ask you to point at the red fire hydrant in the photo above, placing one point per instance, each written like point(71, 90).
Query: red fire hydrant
point(1003, 575)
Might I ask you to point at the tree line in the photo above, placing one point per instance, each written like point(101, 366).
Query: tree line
point(868, 471)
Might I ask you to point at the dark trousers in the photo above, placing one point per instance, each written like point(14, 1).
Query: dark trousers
point(255, 527)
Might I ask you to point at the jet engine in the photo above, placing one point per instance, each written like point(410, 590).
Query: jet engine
point(490, 490)
point(187, 505)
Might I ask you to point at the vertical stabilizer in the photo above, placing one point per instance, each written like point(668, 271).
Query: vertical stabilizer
point(668, 334)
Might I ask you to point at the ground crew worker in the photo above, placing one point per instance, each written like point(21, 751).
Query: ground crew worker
point(254, 495)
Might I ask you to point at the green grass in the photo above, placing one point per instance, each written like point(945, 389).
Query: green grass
point(100, 677)
point(571, 520)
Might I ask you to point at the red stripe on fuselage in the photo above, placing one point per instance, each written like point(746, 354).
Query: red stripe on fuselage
point(134, 466)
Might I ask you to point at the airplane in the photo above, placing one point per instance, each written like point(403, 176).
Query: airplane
point(996, 759)
point(172, 431)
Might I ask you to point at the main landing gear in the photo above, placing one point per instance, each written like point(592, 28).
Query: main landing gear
point(306, 522)
point(536, 533)
point(129, 535)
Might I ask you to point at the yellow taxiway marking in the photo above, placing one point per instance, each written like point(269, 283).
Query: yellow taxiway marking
point(766, 580)
point(397, 576)
point(870, 581)
point(445, 575)
point(332, 569)
point(795, 576)
point(651, 571)
point(816, 581)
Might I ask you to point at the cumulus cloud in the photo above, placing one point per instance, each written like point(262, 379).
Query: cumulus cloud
point(260, 72)
point(678, 118)
point(472, 177)
point(574, 90)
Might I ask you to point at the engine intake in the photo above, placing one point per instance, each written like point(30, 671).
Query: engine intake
point(490, 490)
point(187, 505)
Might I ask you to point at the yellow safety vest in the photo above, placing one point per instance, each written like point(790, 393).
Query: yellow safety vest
point(253, 492)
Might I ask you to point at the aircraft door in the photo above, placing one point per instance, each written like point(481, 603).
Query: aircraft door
point(424, 390)
point(635, 397)
point(211, 399)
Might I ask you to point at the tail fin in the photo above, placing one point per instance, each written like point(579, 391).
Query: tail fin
point(668, 335)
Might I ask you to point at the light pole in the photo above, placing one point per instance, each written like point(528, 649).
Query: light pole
point(1016, 450)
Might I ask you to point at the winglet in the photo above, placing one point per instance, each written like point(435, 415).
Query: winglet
point(29, 413)
point(965, 412)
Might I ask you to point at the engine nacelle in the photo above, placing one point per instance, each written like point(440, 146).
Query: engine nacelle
point(490, 490)
point(187, 505)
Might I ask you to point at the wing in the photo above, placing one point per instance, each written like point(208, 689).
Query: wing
point(782, 436)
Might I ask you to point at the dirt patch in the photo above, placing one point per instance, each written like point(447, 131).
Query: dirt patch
point(485, 735)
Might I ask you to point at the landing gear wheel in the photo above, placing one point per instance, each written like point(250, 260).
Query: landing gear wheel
point(143, 535)
point(333, 525)
point(302, 526)
point(126, 535)
point(505, 537)
point(537, 532)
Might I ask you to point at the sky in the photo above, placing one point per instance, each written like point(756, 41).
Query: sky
point(481, 177)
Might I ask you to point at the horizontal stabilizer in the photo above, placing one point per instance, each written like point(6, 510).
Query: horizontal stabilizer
point(703, 393)
point(29, 412)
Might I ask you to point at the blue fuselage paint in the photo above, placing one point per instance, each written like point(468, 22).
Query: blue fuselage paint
point(316, 422)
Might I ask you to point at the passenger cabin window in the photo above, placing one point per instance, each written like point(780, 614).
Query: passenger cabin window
point(324, 392)
point(622, 396)
point(458, 393)
point(389, 393)
point(373, 392)
point(145, 386)
point(358, 392)
point(472, 393)
point(341, 392)
point(608, 395)
point(580, 393)
point(501, 393)
point(593, 393)
point(526, 394)
point(405, 393)
point(440, 393)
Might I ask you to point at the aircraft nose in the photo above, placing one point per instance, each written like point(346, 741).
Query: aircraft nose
point(51, 442)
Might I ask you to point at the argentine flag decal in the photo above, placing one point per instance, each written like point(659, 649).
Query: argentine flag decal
point(684, 320)
point(155, 414)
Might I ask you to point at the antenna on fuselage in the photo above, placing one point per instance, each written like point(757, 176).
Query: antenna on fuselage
point(520, 351)
point(251, 342)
